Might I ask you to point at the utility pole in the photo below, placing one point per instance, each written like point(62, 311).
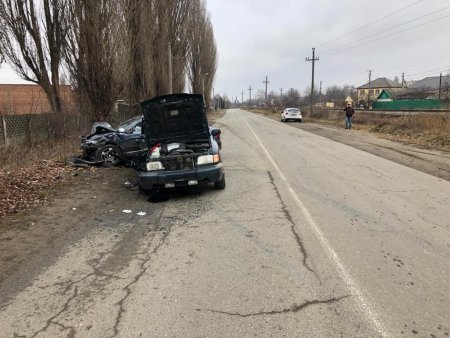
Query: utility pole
point(403, 80)
point(281, 90)
point(368, 95)
point(440, 85)
point(313, 60)
point(320, 92)
point(242, 102)
point(250, 96)
point(266, 82)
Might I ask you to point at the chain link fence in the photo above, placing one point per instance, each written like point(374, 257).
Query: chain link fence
point(31, 128)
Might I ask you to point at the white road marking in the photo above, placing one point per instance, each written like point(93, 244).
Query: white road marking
point(350, 283)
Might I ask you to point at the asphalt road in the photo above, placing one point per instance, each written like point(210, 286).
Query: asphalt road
point(311, 238)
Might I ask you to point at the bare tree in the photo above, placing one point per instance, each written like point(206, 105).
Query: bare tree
point(90, 54)
point(202, 54)
point(34, 46)
point(152, 30)
point(292, 98)
point(336, 93)
point(136, 55)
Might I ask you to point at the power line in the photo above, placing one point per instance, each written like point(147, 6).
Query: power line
point(389, 35)
point(431, 71)
point(388, 29)
point(420, 66)
point(286, 69)
point(371, 23)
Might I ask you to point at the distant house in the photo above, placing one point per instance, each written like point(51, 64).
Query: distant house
point(19, 99)
point(405, 99)
point(376, 87)
point(431, 86)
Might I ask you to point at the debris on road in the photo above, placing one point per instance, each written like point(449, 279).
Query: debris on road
point(79, 162)
point(141, 213)
point(127, 211)
point(128, 184)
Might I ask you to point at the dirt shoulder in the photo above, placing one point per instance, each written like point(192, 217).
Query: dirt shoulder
point(213, 116)
point(425, 159)
point(47, 205)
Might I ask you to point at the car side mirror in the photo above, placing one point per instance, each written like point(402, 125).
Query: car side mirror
point(121, 130)
point(216, 132)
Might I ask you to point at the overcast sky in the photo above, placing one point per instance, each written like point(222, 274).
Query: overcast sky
point(256, 38)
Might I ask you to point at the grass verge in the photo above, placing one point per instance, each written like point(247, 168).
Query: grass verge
point(426, 130)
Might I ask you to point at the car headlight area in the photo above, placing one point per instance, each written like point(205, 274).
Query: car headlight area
point(152, 166)
point(208, 159)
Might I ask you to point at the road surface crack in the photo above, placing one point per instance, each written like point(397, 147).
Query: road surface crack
point(293, 309)
point(291, 221)
point(51, 320)
point(142, 271)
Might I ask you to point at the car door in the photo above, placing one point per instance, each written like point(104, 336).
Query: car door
point(133, 144)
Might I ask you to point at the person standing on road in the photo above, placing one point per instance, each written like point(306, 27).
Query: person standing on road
point(349, 111)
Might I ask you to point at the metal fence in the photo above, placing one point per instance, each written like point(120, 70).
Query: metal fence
point(31, 128)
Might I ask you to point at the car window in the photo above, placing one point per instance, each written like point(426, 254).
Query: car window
point(293, 110)
point(138, 129)
point(130, 124)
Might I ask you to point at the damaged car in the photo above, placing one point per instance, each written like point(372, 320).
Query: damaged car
point(111, 146)
point(183, 150)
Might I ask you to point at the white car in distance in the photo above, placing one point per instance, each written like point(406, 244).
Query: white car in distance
point(291, 114)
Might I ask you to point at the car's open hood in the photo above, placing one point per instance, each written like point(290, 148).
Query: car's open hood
point(174, 116)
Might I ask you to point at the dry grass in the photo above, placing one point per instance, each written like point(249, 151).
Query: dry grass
point(428, 130)
point(13, 157)
point(213, 115)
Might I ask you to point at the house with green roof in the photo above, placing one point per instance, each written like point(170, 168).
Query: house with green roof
point(376, 87)
point(406, 99)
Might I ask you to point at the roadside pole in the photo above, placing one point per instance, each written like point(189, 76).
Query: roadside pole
point(313, 60)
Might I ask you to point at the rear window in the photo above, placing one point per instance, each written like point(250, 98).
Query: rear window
point(293, 111)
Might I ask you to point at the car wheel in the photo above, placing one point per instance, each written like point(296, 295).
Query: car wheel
point(108, 155)
point(220, 185)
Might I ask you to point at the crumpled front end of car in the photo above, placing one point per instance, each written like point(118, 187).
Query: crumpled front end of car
point(185, 163)
point(89, 146)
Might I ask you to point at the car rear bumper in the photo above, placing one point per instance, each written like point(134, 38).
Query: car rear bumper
point(149, 180)
point(292, 118)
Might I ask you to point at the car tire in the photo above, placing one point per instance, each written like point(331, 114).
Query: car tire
point(108, 155)
point(220, 185)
